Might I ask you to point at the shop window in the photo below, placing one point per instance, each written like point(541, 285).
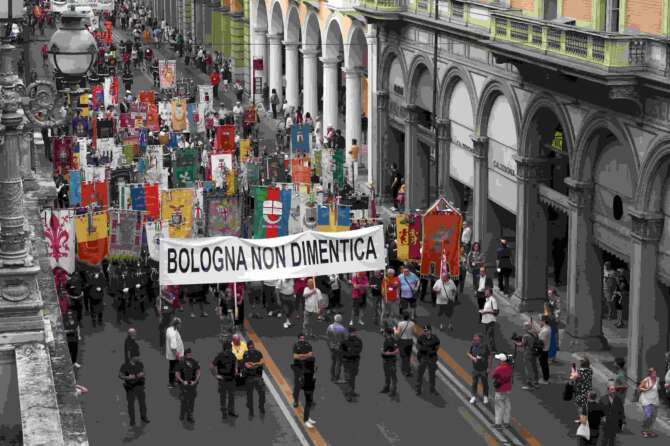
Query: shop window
point(617, 207)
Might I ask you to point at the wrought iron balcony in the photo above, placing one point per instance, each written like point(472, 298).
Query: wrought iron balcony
point(380, 5)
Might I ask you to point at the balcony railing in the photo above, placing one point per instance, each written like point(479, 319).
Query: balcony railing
point(609, 50)
point(383, 5)
point(344, 5)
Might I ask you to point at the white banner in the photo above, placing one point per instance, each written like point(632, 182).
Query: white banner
point(60, 238)
point(308, 254)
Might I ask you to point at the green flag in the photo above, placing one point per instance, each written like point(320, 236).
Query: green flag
point(260, 195)
point(338, 175)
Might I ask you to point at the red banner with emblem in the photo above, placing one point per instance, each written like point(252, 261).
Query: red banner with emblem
point(441, 238)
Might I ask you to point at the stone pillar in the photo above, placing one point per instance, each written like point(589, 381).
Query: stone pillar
point(330, 93)
point(353, 109)
point(275, 73)
point(531, 229)
point(292, 67)
point(648, 309)
point(381, 177)
point(412, 198)
point(260, 42)
point(480, 191)
point(583, 331)
point(443, 178)
point(371, 37)
point(310, 85)
point(27, 162)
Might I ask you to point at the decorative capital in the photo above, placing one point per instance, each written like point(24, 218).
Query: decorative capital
point(411, 114)
point(329, 63)
point(291, 45)
point(646, 226)
point(580, 193)
point(382, 100)
point(531, 169)
point(480, 146)
point(310, 52)
point(276, 38)
point(352, 72)
point(443, 128)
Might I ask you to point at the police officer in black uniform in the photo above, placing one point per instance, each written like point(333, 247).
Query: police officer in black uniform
point(123, 293)
point(351, 348)
point(187, 374)
point(427, 345)
point(75, 291)
point(95, 293)
point(302, 351)
point(132, 375)
point(139, 281)
point(253, 365)
point(390, 353)
point(71, 327)
point(223, 368)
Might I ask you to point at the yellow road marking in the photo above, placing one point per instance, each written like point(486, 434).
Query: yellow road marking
point(313, 434)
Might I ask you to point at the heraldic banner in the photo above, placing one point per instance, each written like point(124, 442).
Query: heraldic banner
point(59, 233)
point(408, 236)
point(125, 232)
point(167, 72)
point(223, 216)
point(269, 218)
point(92, 240)
point(232, 259)
point(441, 233)
point(177, 211)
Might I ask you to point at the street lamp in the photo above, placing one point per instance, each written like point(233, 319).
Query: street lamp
point(73, 48)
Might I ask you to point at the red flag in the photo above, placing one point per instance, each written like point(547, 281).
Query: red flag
point(441, 236)
point(151, 201)
point(95, 192)
point(225, 139)
point(87, 193)
point(102, 193)
point(273, 197)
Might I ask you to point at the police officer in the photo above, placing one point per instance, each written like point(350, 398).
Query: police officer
point(253, 365)
point(71, 327)
point(390, 353)
point(223, 368)
point(351, 348)
point(427, 345)
point(75, 291)
point(132, 375)
point(302, 351)
point(96, 292)
point(187, 374)
point(139, 281)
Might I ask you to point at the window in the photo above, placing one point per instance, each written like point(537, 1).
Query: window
point(612, 16)
point(617, 207)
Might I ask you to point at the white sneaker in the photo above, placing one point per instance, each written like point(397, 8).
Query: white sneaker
point(311, 421)
point(289, 323)
point(473, 400)
point(544, 382)
point(309, 425)
point(361, 323)
point(286, 325)
point(486, 400)
point(351, 323)
point(270, 313)
point(278, 314)
point(76, 365)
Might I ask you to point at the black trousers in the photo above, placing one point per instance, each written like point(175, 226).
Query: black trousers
point(96, 311)
point(173, 364)
point(544, 364)
point(136, 394)
point(390, 376)
point(187, 396)
point(477, 377)
point(335, 364)
point(350, 373)
point(268, 297)
point(309, 401)
point(297, 385)
point(405, 355)
point(77, 306)
point(255, 383)
point(503, 279)
point(481, 300)
point(431, 365)
point(227, 395)
point(73, 346)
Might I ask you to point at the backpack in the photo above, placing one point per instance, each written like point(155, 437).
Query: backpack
point(537, 347)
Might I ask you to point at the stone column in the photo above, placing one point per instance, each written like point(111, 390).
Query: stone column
point(310, 86)
point(443, 178)
point(275, 73)
point(648, 309)
point(412, 199)
point(583, 331)
point(292, 67)
point(260, 42)
point(353, 108)
point(531, 229)
point(381, 177)
point(371, 37)
point(330, 93)
point(480, 191)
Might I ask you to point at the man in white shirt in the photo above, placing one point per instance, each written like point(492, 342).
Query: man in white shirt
point(489, 314)
point(466, 237)
point(312, 296)
point(445, 289)
point(174, 348)
point(287, 298)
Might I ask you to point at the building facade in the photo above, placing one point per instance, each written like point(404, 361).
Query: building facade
point(546, 122)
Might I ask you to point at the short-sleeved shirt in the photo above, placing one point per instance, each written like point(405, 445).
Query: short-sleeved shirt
point(545, 337)
point(481, 352)
point(391, 287)
point(225, 364)
point(407, 285)
point(427, 347)
point(187, 369)
point(132, 369)
point(70, 326)
point(254, 356)
point(390, 345)
point(300, 348)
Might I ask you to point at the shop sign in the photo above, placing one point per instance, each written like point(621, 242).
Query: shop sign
point(557, 144)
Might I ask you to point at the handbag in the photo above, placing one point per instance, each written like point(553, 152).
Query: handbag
point(583, 430)
point(568, 391)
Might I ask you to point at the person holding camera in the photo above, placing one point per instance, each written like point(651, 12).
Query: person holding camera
point(502, 383)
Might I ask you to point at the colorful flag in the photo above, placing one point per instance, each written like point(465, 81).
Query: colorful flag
point(323, 219)
point(98, 96)
point(343, 218)
point(75, 188)
point(137, 197)
point(402, 237)
point(268, 212)
point(441, 237)
point(221, 164)
point(147, 96)
point(154, 231)
point(224, 217)
point(151, 202)
point(62, 154)
point(317, 162)
point(185, 175)
point(95, 193)
point(177, 210)
point(153, 122)
point(179, 110)
point(92, 240)
point(338, 174)
point(286, 208)
point(415, 236)
point(225, 139)
point(125, 232)
point(300, 138)
point(245, 147)
point(60, 237)
point(206, 99)
point(301, 171)
point(167, 73)
point(125, 201)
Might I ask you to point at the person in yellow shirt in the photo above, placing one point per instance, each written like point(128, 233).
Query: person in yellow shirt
point(354, 161)
point(239, 347)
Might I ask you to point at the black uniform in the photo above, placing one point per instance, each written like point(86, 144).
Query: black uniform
point(308, 383)
point(75, 291)
point(187, 370)
point(427, 357)
point(389, 362)
point(130, 349)
point(96, 292)
point(70, 325)
point(225, 366)
point(139, 281)
point(298, 366)
point(351, 357)
point(134, 389)
point(254, 380)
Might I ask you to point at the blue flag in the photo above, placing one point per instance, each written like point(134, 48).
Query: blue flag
point(137, 197)
point(300, 138)
point(343, 217)
point(286, 211)
point(75, 188)
point(323, 216)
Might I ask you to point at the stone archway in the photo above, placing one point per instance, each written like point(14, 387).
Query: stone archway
point(275, 38)
point(332, 58)
point(355, 73)
point(311, 49)
point(293, 60)
point(260, 47)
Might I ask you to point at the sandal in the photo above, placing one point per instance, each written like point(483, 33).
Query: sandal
point(645, 434)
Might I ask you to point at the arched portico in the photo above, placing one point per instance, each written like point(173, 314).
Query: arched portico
point(311, 48)
point(292, 44)
point(332, 57)
point(275, 38)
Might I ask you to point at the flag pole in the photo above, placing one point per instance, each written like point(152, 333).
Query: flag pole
point(235, 299)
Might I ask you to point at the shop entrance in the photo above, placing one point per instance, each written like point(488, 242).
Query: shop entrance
point(615, 302)
point(393, 157)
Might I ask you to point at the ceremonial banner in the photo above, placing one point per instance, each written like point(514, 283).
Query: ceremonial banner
point(408, 236)
point(317, 162)
point(60, 236)
point(300, 138)
point(338, 174)
point(125, 232)
point(193, 116)
point(224, 216)
point(221, 164)
point(253, 173)
point(285, 196)
point(179, 110)
point(441, 231)
point(95, 193)
point(151, 203)
point(167, 73)
point(95, 173)
point(98, 97)
point(83, 105)
point(62, 154)
point(154, 232)
point(185, 175)
point(274, 168)
point(92, 241)
point(153, 122)
point(301, 172)
point(225, 139)
point(106, 149)
point(177, 210)
point(245, 147)
point(75, 188)
point(109, 95)
point(268, 212)
point(104, 128)
point(147, 96)
point(249, 116)
point(308, 254)
point(324, 218)
point(137, 197)
point(205, 96)
point(125, 201)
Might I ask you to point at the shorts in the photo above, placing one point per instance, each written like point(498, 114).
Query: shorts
point(404, 303)
point(445, 309)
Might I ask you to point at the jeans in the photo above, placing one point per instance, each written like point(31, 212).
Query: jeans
point(227, 395)
point(287, 304)
point(335, 364)
point(475, 280)
point(649, 412)
point(530, 375)
point(503, 408)
point(477, 377)
point(297, 385)
point(255, 382)
point(390, 376)
point(544, 365)
point(136, 393)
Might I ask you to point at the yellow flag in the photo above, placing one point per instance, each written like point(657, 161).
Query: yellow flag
point(90, 230)
point(230, 184)
point(402, 236)
point(245, 145)
point(177, 210)
point(83, 104)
